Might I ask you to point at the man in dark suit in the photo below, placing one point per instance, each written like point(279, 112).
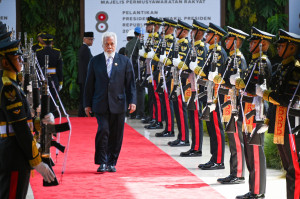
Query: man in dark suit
point(84, 57)
point(109, 87)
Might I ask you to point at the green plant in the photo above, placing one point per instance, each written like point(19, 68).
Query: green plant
point(265, 15)
point(61, 19)
point(272, 155)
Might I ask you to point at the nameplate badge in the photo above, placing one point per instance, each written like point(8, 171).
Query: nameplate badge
point(116, 64)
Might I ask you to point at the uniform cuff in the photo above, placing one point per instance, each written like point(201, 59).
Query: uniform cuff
point(37, 160)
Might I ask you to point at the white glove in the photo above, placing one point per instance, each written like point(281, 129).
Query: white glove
point(233, 79)
point(45, 171)
point(48, 119)
point(142, 51)
point(60, 87)
point(263, 129)
point(212, 107)
point(193, 65)
point(29, 88)
point(151, 54)
point(162, 57)
point(149, 78)
point(259, 91)
point(211, 75)
point(176, 61)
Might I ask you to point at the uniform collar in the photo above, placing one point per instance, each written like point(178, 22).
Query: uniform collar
point(212, 46)
point(155, 34)
point(198, 42)
point(256, 55)
point(10, 74)
point(183, 40)
point(169, 36)
point(232, 52)
point(288, 60)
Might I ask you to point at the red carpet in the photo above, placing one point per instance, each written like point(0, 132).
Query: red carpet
point(143, 170)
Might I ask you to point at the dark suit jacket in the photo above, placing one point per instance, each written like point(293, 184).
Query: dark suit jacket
point(103, 93)
point(84, 56)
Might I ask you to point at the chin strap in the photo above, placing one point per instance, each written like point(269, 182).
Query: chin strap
point(9, 61)
point(211, 38)
point(287, 45)
point(256, 46)
point(232, 43)
point(179, 33)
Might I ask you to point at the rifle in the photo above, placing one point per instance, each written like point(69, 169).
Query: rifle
point(255, 138)
point(175, 92)
point(159, 88)
point(210, 86)
point(191, 101)
point(48, 129)
point(295, 129)
point(231, 127)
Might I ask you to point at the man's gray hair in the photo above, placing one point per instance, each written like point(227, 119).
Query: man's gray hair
point(109, 34)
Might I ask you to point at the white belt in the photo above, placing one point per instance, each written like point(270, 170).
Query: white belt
point(51, 70)
point(3, 129)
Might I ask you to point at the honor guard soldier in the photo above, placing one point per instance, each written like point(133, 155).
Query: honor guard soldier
point(55, 66)
point(235, 66)
point(148, 51)
point(40, 43)
point(180, 63)
point(258, 73)
point(195, 105)
point(162, 55)
point(284, 98)
point(18, 151)
point(214, 65)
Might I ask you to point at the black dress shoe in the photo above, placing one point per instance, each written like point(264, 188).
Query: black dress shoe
point(156, 125)
point(202, 165)
point(138, 117)
point(147, 120)
point(102, 168)
point(111, 168)
point(165, 134)
point(191, 153)
point(212, 166)
point(177, 142)
point(250, 195)
point(231, 180)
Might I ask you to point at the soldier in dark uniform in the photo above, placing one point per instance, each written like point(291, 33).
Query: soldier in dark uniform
point(55, 68)
point(164, 87)
point(235, 66)
point(196, 106)
point(282, 88)
point(84, 56)
point(132, 51)
point(181, 64)
point(40, 43)
point(18, 151)
point(152, 27)
point(214, 66)
point(254, 153)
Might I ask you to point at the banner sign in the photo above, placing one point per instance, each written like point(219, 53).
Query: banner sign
point(124, 15)
point(8, 13)
point(294, 16)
